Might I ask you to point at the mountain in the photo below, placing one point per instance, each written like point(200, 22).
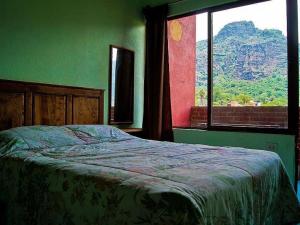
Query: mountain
point(249, 65)
point(244, 52)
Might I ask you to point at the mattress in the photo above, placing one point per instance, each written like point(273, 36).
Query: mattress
point(90, 175)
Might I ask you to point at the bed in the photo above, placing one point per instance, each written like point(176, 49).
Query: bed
point(71, 174)
point(101, 175)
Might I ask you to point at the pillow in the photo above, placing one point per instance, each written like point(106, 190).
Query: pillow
point(9, 141)
point(33, 137)
point(39, 137)
point(91, 133)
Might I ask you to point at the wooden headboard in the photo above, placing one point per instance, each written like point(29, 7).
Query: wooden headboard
point(25, 104)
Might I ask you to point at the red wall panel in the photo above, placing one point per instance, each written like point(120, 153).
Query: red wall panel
point(182, 56)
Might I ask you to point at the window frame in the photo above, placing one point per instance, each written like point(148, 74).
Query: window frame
point(292, 68)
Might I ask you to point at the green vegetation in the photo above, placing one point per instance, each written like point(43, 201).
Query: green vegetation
point(268, 91)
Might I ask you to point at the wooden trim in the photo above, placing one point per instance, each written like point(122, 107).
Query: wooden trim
point(28, 108)
point(101, 109)
point(138, 132)
point(69, 113)
point(11, 84)
point(47, 112)
point(130, 130)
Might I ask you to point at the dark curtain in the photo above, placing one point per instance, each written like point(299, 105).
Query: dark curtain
point(157, 122)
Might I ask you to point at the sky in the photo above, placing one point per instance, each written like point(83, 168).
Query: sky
point(266, 15)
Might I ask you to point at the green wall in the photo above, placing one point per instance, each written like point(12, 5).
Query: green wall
point(67, 42)
point(283, 145)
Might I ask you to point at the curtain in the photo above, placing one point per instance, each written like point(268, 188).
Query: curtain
point(157, 123)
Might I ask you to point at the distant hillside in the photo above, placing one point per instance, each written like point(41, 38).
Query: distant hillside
point(245, 52)
point(245, 55)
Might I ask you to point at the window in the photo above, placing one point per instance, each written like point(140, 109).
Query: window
point(250, 66)
point(229, 68)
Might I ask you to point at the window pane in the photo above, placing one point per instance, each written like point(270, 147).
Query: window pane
point(250, 66)
point(187, 38)
point(199, 112)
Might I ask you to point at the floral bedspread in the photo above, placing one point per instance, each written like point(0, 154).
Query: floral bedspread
point(99, 175)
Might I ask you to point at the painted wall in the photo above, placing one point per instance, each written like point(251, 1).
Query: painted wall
point(182, 58)
point(67, 42)
point(283, 145)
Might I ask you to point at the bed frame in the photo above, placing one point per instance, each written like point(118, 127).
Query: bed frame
point(25, 104)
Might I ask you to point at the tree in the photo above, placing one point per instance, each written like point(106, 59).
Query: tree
point(202, 95)
point(243, 99)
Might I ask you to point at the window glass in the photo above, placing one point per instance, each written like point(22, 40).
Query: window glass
point(249, 67)
point(250, 84)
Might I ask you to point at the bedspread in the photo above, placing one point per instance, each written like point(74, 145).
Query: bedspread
point(88, 175)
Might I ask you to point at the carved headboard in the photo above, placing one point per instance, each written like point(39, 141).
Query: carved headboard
point(24, 104)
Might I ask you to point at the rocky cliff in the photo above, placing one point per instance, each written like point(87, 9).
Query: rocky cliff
point(242, 51)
